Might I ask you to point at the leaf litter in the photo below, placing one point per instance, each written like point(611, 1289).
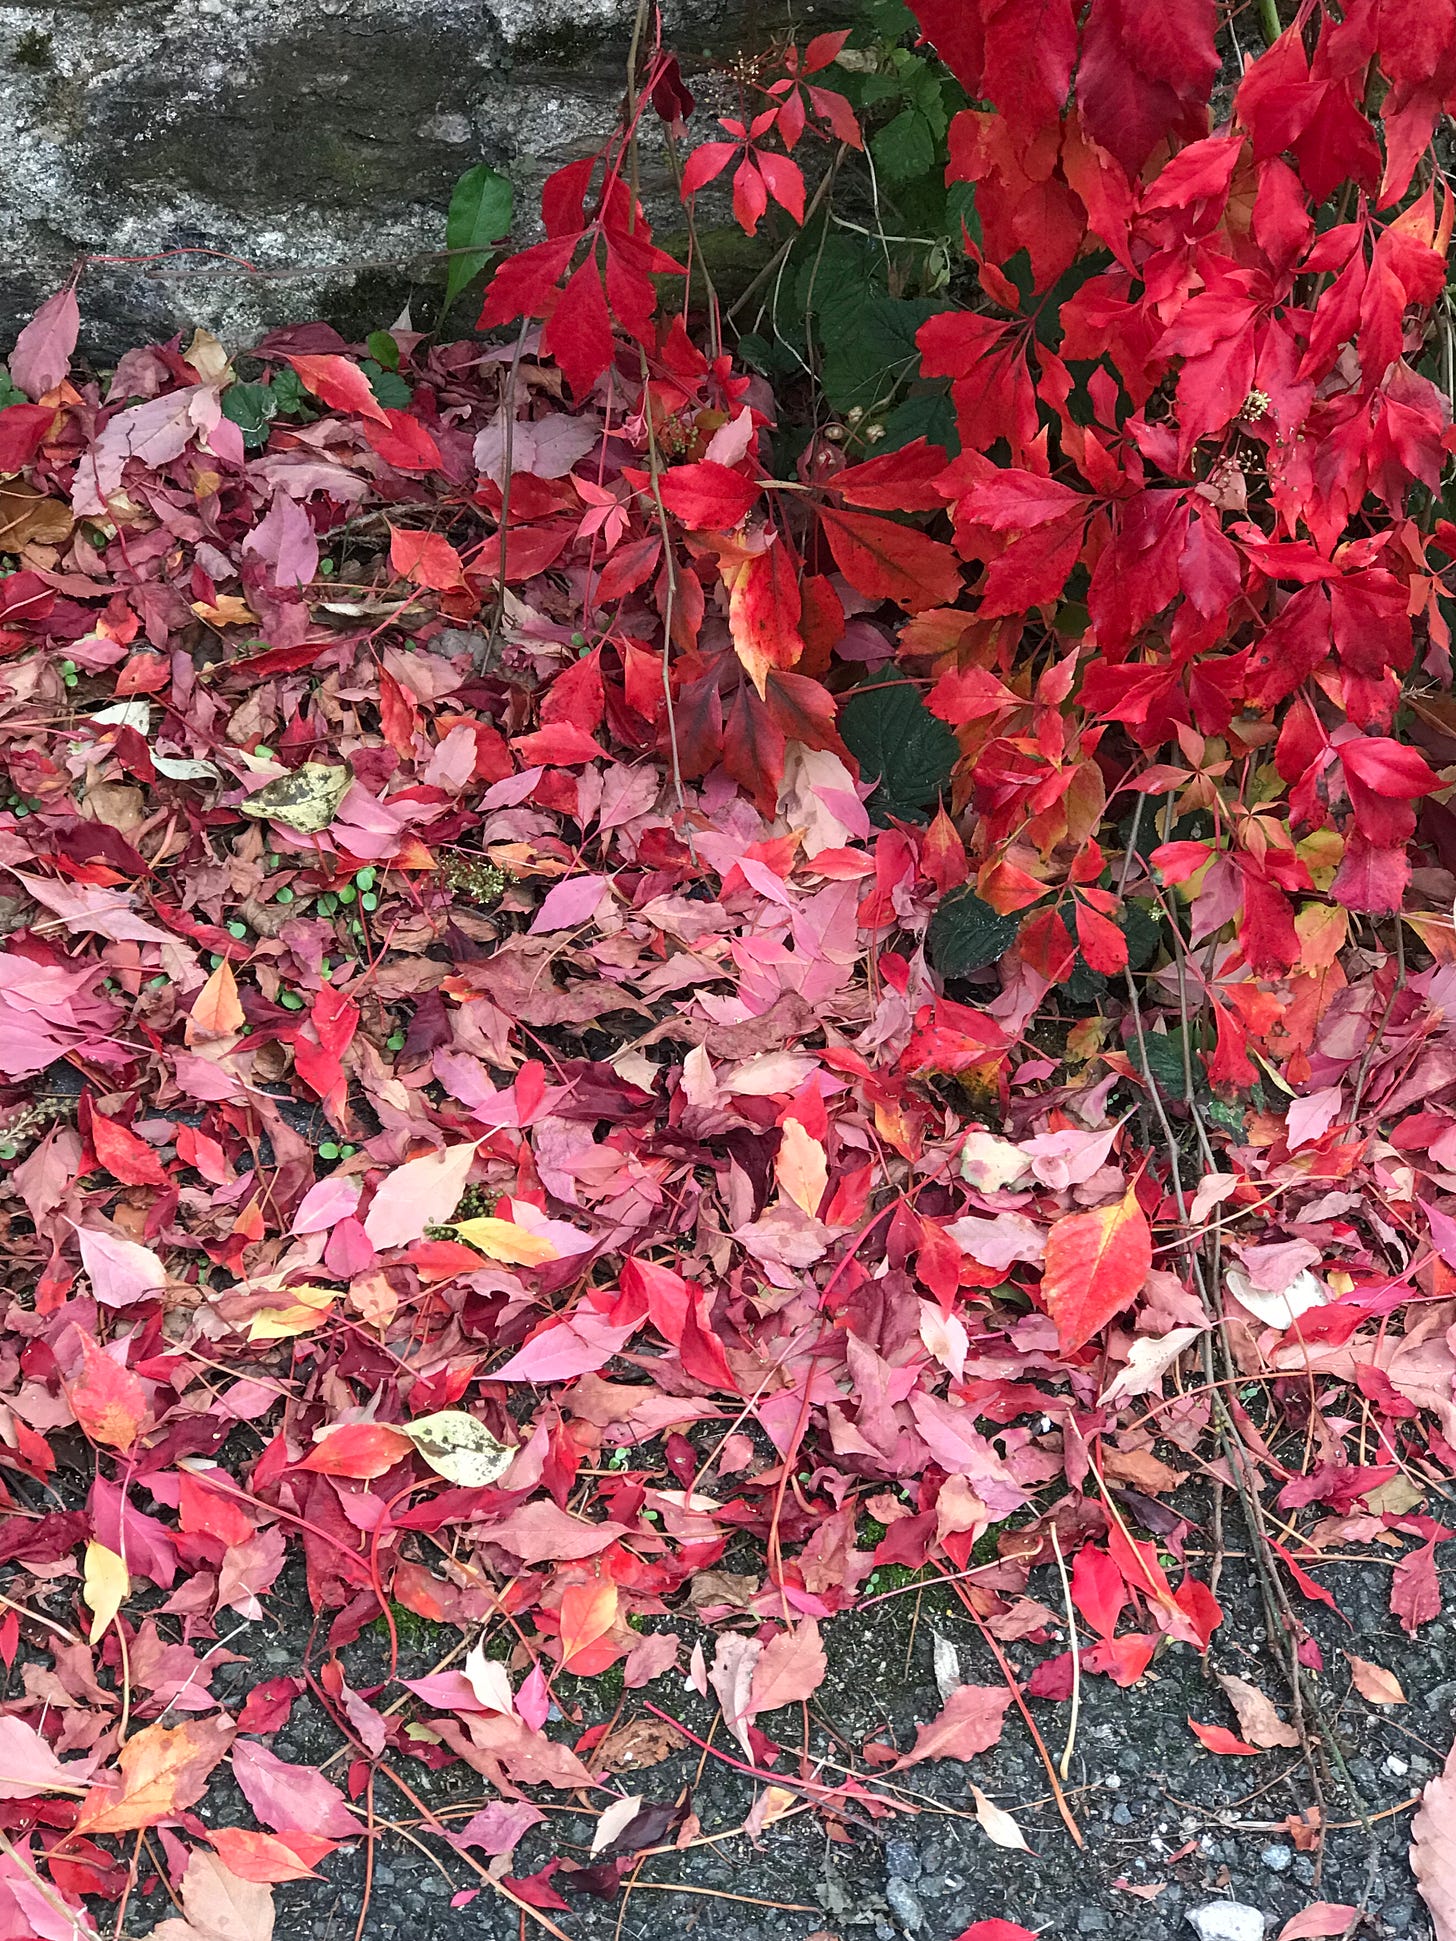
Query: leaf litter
point(582, 1131)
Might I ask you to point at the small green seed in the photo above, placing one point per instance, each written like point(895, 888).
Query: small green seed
point(369, 901)
point(365, 879)
point(328, 1150)
point(347, 894)
point(239, 930)
point(395, 1041)
point(285, 895)
point(290, 1000)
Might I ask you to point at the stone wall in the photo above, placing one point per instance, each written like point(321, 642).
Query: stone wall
point(318, 139)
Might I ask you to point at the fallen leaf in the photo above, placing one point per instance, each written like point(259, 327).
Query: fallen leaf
point(104, 1586)
point(503, 1240)
point(1095, 1264)
point(1260, 1724)
point(618, 1816)
point(639, 1743)
point(307, 800)
point(268, 1857)
point(791, 1669)
point(459, 1448)
point(1374, 1682)
point(1218, 1738)
point(289, 1798)
point(28, 1766)
point(971, 1722)
point(163, 1770)
point(1320, 1918)
point(422, 1193)
point(997, 1824)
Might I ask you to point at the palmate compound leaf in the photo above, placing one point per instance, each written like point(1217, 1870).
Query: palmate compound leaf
point(459, 1448)
point(902, 746)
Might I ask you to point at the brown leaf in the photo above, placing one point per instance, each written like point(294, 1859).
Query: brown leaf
point(638, 1743)
point(1260, 1724)
point(27, 515)
point(1142, 1469)
point(164, 1769)
point(970, 1723)
point(1374, 1682)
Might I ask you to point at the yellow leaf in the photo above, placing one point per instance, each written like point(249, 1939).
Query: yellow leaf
point(503, 1240)
point(801, 1166)
point(106, 1583)
point(306, 1310)
point(227, 610)
point(458, 1447)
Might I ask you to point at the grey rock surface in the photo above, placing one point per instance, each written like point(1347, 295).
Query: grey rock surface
point(317, 140)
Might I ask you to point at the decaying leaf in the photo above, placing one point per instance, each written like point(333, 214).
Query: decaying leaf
point(459, 1447)
point(1374, 1682)
point(307, 800)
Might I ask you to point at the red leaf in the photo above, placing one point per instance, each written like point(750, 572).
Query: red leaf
point(1146, 69)
point(23, 429)
point(404, 443)
point(360, 1449)
point(764, 608)
point(1095, 1264)
point(1218, 1738)
point(1098, 1590)
point(108, 1400)
point(125, 1157)
point(902, 481)
point(708, 497)
point(339, 383)
point(970, 1722)
point(579, 331)
point(885, 561)
point(427, 558)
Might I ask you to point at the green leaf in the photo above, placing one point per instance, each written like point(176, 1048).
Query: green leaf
point(867, 360)
point(251, 408)
point(1164, 1061)
point(388, 386)
point(966, 934)
point(9, 392)
point(897, 741)
point(383, 349)
point(480, 214)
point(904, 147)
point(290, 398)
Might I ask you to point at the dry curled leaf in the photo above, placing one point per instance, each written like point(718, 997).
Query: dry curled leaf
point(1260, 1724)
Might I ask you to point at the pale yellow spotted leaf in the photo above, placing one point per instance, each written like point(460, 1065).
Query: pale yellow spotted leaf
point(458, 1448)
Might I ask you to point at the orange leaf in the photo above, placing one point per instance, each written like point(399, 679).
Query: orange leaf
point(1374, 1682)
point(427, 558)
point(1095, 1264)
point(363, 1450)
point(164, 1770)
point(108, 1401)
point(216, 1012)
point(588, 1612)
point(1218, 1738)
point(269, 1857)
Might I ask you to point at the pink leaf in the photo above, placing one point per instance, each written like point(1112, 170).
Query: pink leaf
point(422, 1193)
point(290, 1798)
point(42, 354)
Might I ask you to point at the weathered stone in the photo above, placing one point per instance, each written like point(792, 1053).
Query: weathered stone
point(316, 140)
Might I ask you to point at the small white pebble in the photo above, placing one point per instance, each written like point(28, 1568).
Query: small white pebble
point(1397, 1768)
point(1112, 1782)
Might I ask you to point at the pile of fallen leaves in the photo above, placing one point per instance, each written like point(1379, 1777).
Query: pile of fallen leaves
point(509, 1090)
